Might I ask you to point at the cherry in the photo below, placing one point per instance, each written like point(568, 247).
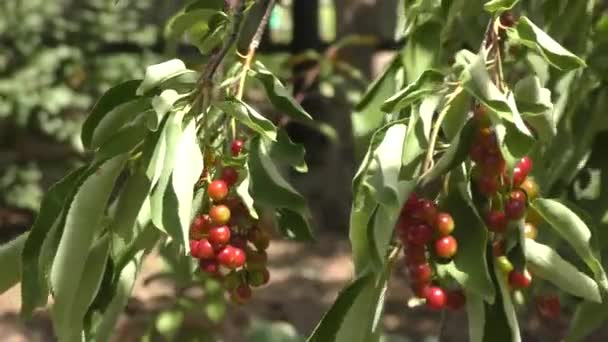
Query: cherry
point(236, 147)
point(209, 266)
point(519, 280)
point(504, 264)
point(258, 277)
point(420, 234)
point(256, 259)
point(426, 211)
point(421, 289)
point(217, 190)
point(415, 254)
point(493, 164)
point(231, 257)
point(238, 241)
point(435, 298)
point(220, 214)
point(530, 231)
point(477, 152)
point(515, 206)
point(410, 205)
point(259, 238)
point(444, 224)
point(194, 250)
point(548, 306)
point(487, 184)
point(521, 170)
point(230, 175)
point(446, 247)
point(507, 19)
point(205, 250)
point(242, 294)
point(455, 299)
point(199, 226)
point(496, 221)
point(420, 273)
point(530, 187)
point(498, 248)
point(232, 280)
point(219, 235)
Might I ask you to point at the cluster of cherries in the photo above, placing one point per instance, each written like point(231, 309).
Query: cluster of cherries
point(226, 240)
point(425, 231)
point(492, 181)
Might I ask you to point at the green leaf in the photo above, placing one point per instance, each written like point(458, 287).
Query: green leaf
point(528, 34)
point(455, 154)
point(279, 96)
point(10, 257)
point(124, 140)
point(361, 216)
point(82, 223)
point(356, 313)
point(587, 317)
point(182, 22)
point(248, 117)
point(159, 73)
point(469, 267)
point(420, 52)
point(498, 6)
point(167, 148)
point(545, 263)
point(34, 291)
point(574, 230)
point(186, 173)
point(476, 316)
point(456, 116)
point(116, 119)
point(507, 313)
point(242, 190)
point(68, 320)
point(429, 82)
point(535, 104)
point(114, 97)
point(270, 188)
point(286, 151)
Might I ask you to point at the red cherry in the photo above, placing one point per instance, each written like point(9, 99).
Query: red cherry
point(199, 227)
point(219, 235)
point(238, 241)
point(444, 224)
point(205, 250)
point(230, 175)
point(477, 152)
point(521, 170)
point(498, 248)
point(435, 298)
point(548, 306)
point(259, 238)
point(420, 234)
point(194, 250)
point(455, 299)
point(446, 247)
point(420, 273)
point(426, 211)
point(242, 294)
point(220, 214)
point(497, 221)
point(231, 257)
point(493, 164)
point(421, 289)
point(410, 205)
point(256, 259)
point(515, 207)
point(415, 254)
point(217, 190)
point(209, 266)
point(236, 147)
point(487, 184)
point(519, 280)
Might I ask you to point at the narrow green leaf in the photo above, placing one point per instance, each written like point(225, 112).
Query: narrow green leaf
point(530, 35)
point(387, 162)
point(270, 188)
point(587, 317)
point(113, 98)
point(248, 117)
point(476, 316)
point(574, 230)
point(117, 118)
point(498, 6)
point(361, 217)
point(242, 190)
point(456, 154)
point(535, 104)
point(124, 140)
point(469, 266)
point(420, 52)
point(68, 320)
point(356, 313)
point(545, 263)
point(184, 21)
point(457, 115)
point(158, 73)
point(278, 95)
point(374, 89)
point(186, 173)
point(82, 224)
point(429, 82)
point(508, 309)
point(10, 257)
point(286, 151)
